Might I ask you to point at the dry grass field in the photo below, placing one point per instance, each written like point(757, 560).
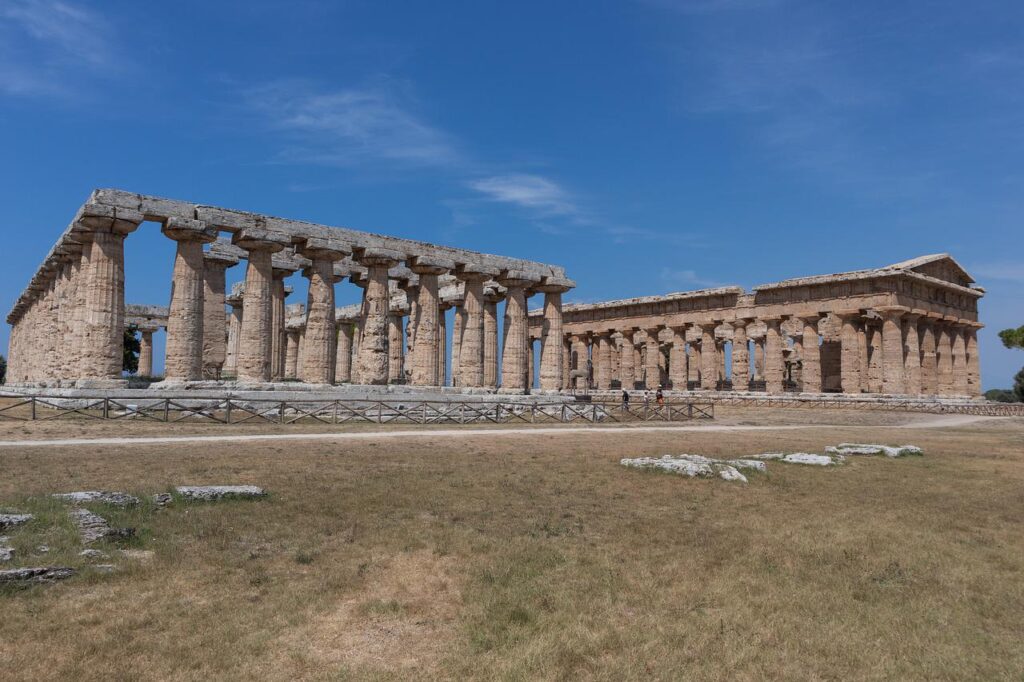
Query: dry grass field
point(523, 557)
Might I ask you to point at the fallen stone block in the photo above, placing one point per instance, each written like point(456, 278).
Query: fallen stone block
point(800, 458)
point(93, 554)
point(693, 466)
point(872, 449)
point(93, 527)
point(12, 520)
point(106, 497)
point(162, 499)
point(41, 574)
point(6, 554)
point(207, 493)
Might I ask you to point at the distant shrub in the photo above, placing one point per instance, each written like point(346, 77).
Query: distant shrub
point(1001, 395)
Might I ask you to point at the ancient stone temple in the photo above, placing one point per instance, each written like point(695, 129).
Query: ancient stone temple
point(905, 329)
point(67, 326)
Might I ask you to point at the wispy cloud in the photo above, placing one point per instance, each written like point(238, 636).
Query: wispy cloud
point(533, 192)
point(349, 126)
point(47, 46)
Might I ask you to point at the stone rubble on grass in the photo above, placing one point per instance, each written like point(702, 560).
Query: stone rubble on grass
point(6, 554)
point(43, 549)
point(12, 520)
point(871, 449)
point(93, 554)
point(93, 527)
point(687, 465)
point(219, 492)
point(162, 499)
point(40, 574)
point(104, 568)
point(801, 458)
point(115, 499)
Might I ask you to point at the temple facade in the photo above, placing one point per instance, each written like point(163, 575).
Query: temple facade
point(905, 329)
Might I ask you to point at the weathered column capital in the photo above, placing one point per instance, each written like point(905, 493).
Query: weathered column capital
point(258, 239)
point(555, 285)
point(103, 218)
point(473, 272)
point(185, 230)
point(213, 259)
point(848, 314)
point(893, 312)
point(317, 248)
point(428, 265)
point(378, 256)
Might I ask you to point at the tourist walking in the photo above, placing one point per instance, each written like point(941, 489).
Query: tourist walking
point(660, 397)
point(625, 400)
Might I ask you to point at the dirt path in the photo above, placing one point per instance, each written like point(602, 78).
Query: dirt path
point(939, 422)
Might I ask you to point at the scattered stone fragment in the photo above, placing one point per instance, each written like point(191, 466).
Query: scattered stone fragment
point(162, 499)
point(219, 492)
point(12, 520)
point(757, 465)
point(40, 574)
point(801, 458)
point(104, 568)
point(43, 549)
point(687, 465)
point(92, 527)
point(93, 554)
point(871, 449)
point(115, 499)
point(6, 554)
point(138, 554)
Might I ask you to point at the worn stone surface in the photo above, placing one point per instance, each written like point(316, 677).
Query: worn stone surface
point(6, 553)
point(870, 449)
point(800, 458)
point(115, 499)
point(40, 574)
point(93, 527)
point(218, 492)
point(12, 520)
point(688, 465)
point(93, 554)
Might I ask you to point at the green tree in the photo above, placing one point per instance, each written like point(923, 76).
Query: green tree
point(1018, 386)
point(132, 348)
point(1013, 338)
point(3, 369)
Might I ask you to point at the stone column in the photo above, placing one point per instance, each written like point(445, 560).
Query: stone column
point(529, 364)
point(185, 317)
point(396, 367)
point(929, 365)
point(944, 358)
point(291, 354)
point(912, 354)
point(471, 349)
point(652, 369)
point(513, 357)
point(627, 369)
point(774, 367)
point(850, 351)
point(893, 381)
point(552, 347)
point(234, 331)
point(215, 352)
point(677, 359)
point(973, 362)
point(759, 358)
point(254, 338)
point(442, 344)
point(102, 337)
point(343, 355)
point(875, 358)
point(491, 300)
point(695, 362)
point(427, 368)
point(580, 356)
point(603, 366)
point(458, 324)
point(373, 344)
point(810, 355)
point(709, 357)
point(566, 362)
point(278, 294)
point(960, 383)
point(740, 355)
point(318, 358)
point(146, 351)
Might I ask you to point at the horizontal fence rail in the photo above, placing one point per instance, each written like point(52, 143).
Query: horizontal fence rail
point(241, 411)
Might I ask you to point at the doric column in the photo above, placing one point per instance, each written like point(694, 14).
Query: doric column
point(215, 323)
point(774, 367)
point(580, 356)
point(427, 348)
point(929, 358)
point(530, 369)
point(471, 349)
point(318, 358)
point(810, 355)
point(944, 358)
point(396, 366)
point(740, 355)
point(102, 339)
point(458, 325)
point(759, 358)
point(627, 369)
point(146, 351)
point(551, 340)
point(254, 338)
point(677, 359)
point(893, 381)
point(566, 362)
point(874, 358)
point(291, 354)
point(912, 354)
point(603, 366)
point(694, 362)
point(491, 299)
point(850, 351)
point(652, 369)
point(442, 343)
point(411, 287)
point(373, 344)
point(278, 294)
point(513, 357)
point(343, 355)
point(960, 384)
point(709, 356)
point(234, 333)
point(973, 362)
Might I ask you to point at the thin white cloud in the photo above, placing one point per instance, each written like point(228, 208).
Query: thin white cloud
point(533, 192)
point(351, 126)
point(48, 46)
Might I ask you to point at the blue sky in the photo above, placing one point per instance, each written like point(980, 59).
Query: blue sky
point(648, 146)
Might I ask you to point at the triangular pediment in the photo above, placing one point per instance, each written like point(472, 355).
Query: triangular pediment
point(939, 266)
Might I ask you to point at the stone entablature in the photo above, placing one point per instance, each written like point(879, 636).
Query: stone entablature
point(905, 329)
point(67, 326)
